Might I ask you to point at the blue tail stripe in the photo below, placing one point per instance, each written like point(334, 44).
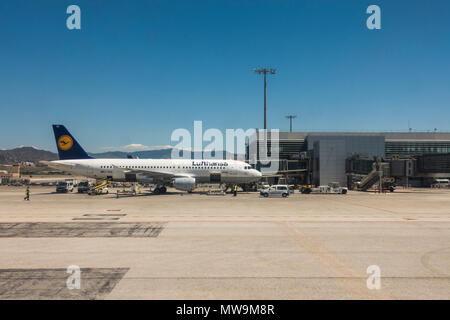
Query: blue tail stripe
point(67, 145)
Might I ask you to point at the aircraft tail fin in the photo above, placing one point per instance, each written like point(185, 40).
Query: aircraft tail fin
point(67, 145)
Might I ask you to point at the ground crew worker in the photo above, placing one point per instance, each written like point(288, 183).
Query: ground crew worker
point(27, 194)
point(235, 190)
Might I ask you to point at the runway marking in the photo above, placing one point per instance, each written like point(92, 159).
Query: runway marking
point(51, 283)
point(305, 221)
point(104, 214)
point(96, 219)
point(101, 216)
point(165, 219)
point(282, 277)
point(81, 229)
point(364, 206)
point(335, 266)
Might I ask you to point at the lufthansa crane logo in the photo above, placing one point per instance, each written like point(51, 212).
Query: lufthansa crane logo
point(65, 142)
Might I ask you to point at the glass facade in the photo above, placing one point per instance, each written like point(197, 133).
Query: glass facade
point(416, 147)
point(434, 163)
point(287, 149)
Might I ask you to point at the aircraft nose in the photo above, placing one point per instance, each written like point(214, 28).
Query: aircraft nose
point(257, 174)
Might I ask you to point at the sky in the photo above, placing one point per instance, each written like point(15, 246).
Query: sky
point(137, 70)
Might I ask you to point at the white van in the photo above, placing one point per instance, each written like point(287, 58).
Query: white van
point(440, 183)
point(277, 190)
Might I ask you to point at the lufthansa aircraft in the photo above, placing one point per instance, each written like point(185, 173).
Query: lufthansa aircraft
point(183, 174)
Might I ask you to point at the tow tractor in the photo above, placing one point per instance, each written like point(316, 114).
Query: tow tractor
point(332, 187)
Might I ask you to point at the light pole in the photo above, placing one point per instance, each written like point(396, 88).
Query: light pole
point(290, 117)
point(265, 72)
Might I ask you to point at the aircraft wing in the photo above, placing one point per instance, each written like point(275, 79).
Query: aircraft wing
point(153, 174)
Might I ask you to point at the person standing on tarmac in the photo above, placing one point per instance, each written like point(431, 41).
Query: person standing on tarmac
point(27, 194)
point(235, 190)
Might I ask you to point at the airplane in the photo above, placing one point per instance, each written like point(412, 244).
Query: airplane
point(182, 174)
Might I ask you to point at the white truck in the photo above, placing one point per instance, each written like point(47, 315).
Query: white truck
point(332, 187)
point(64, 186)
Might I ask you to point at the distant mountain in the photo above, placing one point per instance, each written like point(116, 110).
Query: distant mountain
point(150, 154)
point(28, 154)
point(161, 154)
point(31, 154)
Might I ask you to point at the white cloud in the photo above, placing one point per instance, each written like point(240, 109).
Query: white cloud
point(136, 147)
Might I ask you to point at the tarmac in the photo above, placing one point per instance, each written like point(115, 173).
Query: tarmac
point(198, 246)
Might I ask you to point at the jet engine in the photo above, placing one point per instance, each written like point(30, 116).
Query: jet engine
point(184, 184)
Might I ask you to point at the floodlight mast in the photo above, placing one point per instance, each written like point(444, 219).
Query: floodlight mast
point(265, 72)
point(290, 117)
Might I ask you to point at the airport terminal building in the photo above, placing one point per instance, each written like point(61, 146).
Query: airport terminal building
point(318, 158)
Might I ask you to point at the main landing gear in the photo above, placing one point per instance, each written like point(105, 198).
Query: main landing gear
point(159, 190)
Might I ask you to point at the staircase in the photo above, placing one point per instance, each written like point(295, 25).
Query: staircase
point(374, 176)
point(99, 185)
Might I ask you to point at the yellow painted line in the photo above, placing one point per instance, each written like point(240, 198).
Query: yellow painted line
point(338, 268)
